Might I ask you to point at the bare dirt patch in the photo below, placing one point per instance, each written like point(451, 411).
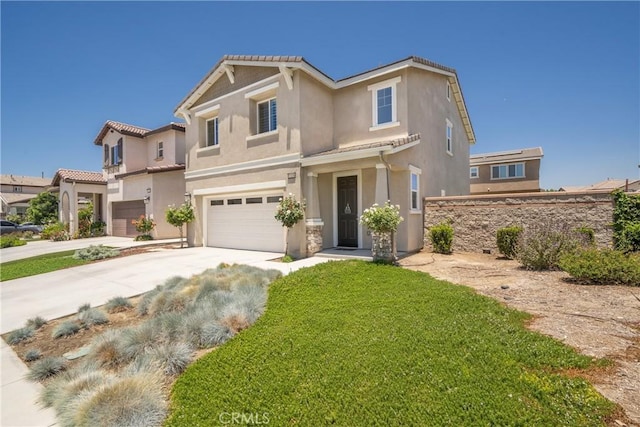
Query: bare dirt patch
point(599, 321)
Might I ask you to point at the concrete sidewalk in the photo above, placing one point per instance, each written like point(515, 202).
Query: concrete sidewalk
point(41, 247)
point(60, 293)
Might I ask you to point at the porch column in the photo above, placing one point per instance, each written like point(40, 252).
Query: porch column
point(313, 221)
point(382, 185)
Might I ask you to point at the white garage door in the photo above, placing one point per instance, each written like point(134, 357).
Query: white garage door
point(245, 222)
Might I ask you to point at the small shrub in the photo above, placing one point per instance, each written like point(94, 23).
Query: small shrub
point(47, 367)
point(94, 252)
point(602, 267)
point(287, 258)
point(213, 334)
point(11, 240)
point(117, 304)
point(131, 401)
point(507, 240)
point(32, 354)
point(587, 235)
point(143, 237)
point(20, 335)
point(91, 317)
point(136, 341)
point(56, 231)
point(98, 228)
point(540, 247)
point(441, 238)
point(143, 305)
point(167, 301)
point(65, 329)
point(173, 358)
point(36, 322)
point(630, 237)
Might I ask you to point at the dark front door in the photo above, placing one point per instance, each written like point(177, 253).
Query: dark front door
point(348, 211)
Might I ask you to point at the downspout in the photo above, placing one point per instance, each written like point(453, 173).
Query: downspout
point(387, 167)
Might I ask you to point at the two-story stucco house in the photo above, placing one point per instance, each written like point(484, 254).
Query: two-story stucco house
point(514, 171)
point(144, 172)
point(260, 127)
point(16, 191)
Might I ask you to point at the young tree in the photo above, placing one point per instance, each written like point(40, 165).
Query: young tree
point(180, 216)
point(43, 208)
point(289, 212)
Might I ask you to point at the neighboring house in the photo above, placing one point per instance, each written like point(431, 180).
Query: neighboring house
point(144, 172)
point(16, 192)
point(76, 188)
point(515, 171)
point(260, 127)
point(608, 184)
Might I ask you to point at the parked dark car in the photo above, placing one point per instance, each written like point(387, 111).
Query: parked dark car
point(7, 227)
point(30, 226)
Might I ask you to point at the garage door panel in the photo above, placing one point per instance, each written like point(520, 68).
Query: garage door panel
point(249, 226)
point(121, 216)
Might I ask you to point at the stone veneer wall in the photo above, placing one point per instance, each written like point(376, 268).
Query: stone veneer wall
point(314, 239)
point(476, 219)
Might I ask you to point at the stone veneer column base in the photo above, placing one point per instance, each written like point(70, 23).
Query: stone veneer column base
point(314, 237)
point(382, 247)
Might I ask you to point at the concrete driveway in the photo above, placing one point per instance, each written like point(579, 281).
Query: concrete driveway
point(60, 293)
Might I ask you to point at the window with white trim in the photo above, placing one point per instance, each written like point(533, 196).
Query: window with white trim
point(473, 172)
point(507, 171)
point(414, 189)
point(449, 138)
point(384, 103)
point(267, 115)
point(212, 138)
point(160, 150)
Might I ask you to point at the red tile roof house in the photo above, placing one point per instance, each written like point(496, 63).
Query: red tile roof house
point(75, 187)
point(144, 173)
point(260, 127)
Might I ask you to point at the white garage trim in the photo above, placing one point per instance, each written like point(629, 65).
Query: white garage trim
point(221, 191)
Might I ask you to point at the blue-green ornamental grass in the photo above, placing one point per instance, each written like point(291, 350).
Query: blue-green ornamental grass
point(358, 344)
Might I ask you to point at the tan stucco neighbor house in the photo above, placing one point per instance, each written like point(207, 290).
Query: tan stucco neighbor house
point(260, 127)
point(514, 171)
point(16, 191)
point(75, 189)
point(144, 174)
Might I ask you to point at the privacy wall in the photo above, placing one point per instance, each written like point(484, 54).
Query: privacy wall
point(476, 219)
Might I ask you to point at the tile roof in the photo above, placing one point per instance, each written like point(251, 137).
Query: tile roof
point(11, 198)
point(32, 181)
point(132, 130)
point(387, 144)
point(607, 184)
point(70, 175)
point(153, 169)
point(506, 156)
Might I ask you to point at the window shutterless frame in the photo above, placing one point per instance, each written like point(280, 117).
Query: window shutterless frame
point(267, 112)
point(212, 132)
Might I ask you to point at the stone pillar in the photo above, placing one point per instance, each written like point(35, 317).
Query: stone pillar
point(313, 223)
point(382, 194)
point(383, 247)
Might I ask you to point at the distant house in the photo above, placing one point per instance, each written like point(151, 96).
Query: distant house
point(76, 188)
point(17, 191)
point(515, 171)
point(144, 173)
point(608, 184)
point(261, 127)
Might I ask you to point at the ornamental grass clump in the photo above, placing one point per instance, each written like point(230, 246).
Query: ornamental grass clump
point(92, 316)
point(65, 329)
point(47, 367)
point(95, 252)
point(117, 304)
point(32, 354)
point(20, 335)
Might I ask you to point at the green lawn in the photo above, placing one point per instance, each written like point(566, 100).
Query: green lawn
point(38, 265)
point(359, 344)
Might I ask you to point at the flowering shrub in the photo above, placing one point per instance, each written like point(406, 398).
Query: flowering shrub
point(382, 218)
point(144, 225)
point(180, 216)
point(289, 211)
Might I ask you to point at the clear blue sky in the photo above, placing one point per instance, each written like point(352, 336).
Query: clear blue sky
point(564, 76)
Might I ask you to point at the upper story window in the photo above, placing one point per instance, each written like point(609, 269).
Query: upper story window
point(17, 188)
point(449, 138)
point(507, 171)
point(448, 91)
point(212, 132)
point(384, 103)
point(160, 150)
point(473, 172)
point(267, 115)
point(113, 155)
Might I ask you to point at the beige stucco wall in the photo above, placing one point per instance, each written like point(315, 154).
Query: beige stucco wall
point(167, 188)
point(173, 147)
point(476, 219)
point(316, 115)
